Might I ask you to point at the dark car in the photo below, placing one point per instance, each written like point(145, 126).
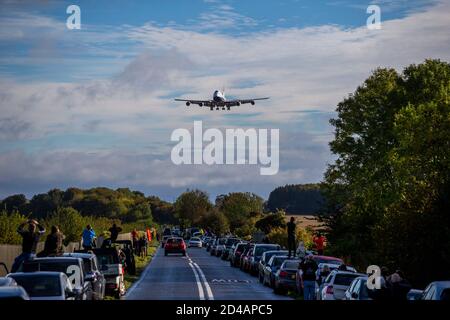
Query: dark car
point(236, 253)
point(71, 266)
point(265, 258)
point(228, 245)
point(244, 264)
point(93, 274)
point(175, 245)
point(111, 262)
point(255, 256)
point(271, 268)
point(285, 277)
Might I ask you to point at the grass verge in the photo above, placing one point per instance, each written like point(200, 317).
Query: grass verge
point(141, 263)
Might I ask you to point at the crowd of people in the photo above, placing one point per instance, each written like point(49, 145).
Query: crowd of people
point(31, 232)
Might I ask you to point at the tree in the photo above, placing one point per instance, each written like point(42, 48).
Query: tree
point(239, 207)
point(271, 221)
point(215, 221)
point(388, 191)
point(191, 206)
point(69, 221)
point(296, 199)
point(17, 202)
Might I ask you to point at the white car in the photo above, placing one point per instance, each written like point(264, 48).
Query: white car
point(438, 290)
point(195, 242)
point(337, 283)
point(46, 285)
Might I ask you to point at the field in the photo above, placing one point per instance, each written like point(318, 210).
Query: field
point(306, 221)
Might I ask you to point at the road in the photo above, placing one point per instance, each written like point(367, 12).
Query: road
point(198, 276)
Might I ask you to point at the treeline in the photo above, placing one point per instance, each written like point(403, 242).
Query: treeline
point(297, 199)
point(74, 208)
point(388, 192)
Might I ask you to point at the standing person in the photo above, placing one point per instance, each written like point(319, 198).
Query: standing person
point(301, 250)
point(309, 268)
point(291, 236)
point(135, 239)
point(321, 275)
point(398, 285)
point(149, 234)
point(114, 231)
point(319, 241)
point(53, 244)
point(30, 239)
point(88, 237)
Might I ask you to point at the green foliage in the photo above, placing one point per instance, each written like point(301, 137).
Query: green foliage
point(296, 199)
point(240, 208)
point(388, 191)
point(191, 206)
point(271, 221)
point(279, 235)
point(215, 221)
point(8, 227)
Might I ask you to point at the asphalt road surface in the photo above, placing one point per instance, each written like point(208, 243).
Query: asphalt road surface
point(198, 276)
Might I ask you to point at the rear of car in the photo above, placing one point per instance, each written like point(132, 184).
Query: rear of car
point(438, 290)
point(265, 259)
point(245, 258)
point(337, 283)
point(175, 245)
point(220, 247)
point(271, 268)
point(285, 277)
point(235, 255)
point(164, 239)
point(195, 242)
point(110, 266)
point(45, 285)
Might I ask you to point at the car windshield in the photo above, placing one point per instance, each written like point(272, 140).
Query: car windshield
point(240, 246)
point(88, 267)
point(231, 241)
point(195, 239)
point(364, 292)
point(344, 279)
point(291, 264)
point(58, 266)
point(106, 259)
point(261, 249)
point(40, 285)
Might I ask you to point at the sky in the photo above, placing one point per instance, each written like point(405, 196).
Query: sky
point(94, 107)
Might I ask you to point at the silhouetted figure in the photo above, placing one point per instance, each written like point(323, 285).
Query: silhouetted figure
point(291, 236)
point(53, 243)
point(114, 231)
point(30, 239)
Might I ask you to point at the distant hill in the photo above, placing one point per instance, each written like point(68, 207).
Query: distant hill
point(302, 199)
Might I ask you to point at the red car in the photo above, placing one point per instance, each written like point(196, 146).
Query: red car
point(175, 245)
point(245, 259)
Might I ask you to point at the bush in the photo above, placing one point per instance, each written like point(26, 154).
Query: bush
point(8, 227)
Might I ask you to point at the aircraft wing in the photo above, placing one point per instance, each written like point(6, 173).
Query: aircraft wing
point(199, 102)
point(244, 101)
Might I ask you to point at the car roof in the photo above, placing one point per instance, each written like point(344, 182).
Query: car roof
point(54, 259)
point(13, 291)
point(79, 255)
point(347, 272)
point(37, 273)
point(267, 245)
point(292, 260)
point(327, 258)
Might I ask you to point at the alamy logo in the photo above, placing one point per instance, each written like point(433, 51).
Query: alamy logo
point(374, 277)
point(235, 147)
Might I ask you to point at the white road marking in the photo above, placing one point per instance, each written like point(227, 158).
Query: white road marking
point(201, 294)
point(209, 293)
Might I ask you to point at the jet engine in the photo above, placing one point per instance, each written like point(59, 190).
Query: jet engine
point(188, 103)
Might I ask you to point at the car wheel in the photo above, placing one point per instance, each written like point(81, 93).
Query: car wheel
point(184, 253)
point(165, 253)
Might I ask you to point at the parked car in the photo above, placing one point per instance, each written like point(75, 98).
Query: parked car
point(46, 286)
point(110, 262)
point(265, 258)
point(285, 277)
point(271, 268)
point(357, 290)
point(175, 245)
point(7, 282)
point(92, 273)
point(228, 245)
point(255, 256)
point(216, 246)
point(245, 258)
point(71, 266)
point(13, 293)
point(195, 242)
point(220, 247)
point(235, 254)
point(205, 240)
point(438, 290)
point(210, 243)
point(336, 284)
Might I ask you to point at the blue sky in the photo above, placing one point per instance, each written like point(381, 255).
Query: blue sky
point(93, 107)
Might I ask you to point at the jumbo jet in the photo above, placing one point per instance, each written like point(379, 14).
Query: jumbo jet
point(219, 101)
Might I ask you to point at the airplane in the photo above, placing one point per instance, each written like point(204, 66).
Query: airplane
point(219, 101)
